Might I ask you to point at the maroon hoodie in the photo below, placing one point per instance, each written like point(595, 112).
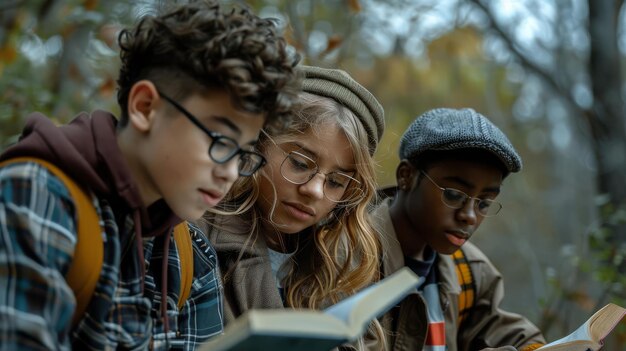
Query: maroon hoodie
point(86, 150)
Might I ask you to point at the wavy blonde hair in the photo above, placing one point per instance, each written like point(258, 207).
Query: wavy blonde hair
point(340, 255)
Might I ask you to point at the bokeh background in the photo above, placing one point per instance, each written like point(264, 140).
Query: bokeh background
point(547, 72)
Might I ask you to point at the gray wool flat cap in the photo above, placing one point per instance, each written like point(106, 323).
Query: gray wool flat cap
point(452, 129)
point(339, 86)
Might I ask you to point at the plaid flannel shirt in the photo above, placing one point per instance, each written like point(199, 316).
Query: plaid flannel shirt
point(37, 240)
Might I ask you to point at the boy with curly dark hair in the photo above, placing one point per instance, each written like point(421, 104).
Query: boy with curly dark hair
point(197, 84)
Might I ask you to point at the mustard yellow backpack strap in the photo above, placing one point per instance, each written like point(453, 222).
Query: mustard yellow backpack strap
point(466, 281)
point(86, 265)
point(468, 291)
point(182, 237)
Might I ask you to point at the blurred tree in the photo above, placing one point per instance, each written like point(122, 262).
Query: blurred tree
point(579, 61)
point(598, 73)
point(59, 57)
point(547, 72)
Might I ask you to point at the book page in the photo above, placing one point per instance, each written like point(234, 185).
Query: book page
point(605, 320)
point(342, 309)
point(295, 321)
point(358, 310)
point(582, 333)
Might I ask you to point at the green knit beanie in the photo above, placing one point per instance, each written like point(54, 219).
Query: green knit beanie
point(339, 86)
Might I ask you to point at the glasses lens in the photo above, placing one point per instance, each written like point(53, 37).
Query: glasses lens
point(453, 198)
point(339, 187)
point(223, 149)
point(488, 207)
point(298, 168)
point(249, 162)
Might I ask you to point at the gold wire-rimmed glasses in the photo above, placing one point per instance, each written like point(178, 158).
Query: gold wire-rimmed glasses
point(339, 187)
point(298, 168)
point(456, 199)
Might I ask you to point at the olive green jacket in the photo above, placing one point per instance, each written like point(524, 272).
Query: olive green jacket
point(487, 326)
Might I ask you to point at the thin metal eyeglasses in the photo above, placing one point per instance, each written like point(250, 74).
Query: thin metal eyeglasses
point(223, 148)
point(455, 198)
point(339, 187)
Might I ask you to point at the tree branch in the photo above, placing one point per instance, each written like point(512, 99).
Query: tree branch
point(526, 63)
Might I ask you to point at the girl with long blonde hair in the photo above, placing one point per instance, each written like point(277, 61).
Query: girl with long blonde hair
point(302, 237)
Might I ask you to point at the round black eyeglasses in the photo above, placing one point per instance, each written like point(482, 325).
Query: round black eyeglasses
point(223, 148)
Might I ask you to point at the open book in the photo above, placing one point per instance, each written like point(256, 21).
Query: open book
point(591, 334)
point(312, 330)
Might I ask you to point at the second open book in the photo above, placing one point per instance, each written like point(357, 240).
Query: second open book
point(590, 336)
point(311, 330)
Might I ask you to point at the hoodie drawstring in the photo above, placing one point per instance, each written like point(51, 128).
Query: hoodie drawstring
point(139, 243)
point(164, 267)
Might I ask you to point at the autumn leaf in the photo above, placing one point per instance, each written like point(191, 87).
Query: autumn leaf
point(334, 41)
point(8, 54)
point(108, 33)
point(354, 5)
point(107, 88)
point(291, 40)
point(90, 5)
point(74, 71)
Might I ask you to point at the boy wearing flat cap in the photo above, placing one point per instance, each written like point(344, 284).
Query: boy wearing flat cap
point(452, 166)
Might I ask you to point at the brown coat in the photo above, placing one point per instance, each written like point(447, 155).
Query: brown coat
point(248, 283)
point(486, 326)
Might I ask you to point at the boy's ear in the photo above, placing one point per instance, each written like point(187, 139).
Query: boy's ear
point(142, 101)
point(404, 175)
